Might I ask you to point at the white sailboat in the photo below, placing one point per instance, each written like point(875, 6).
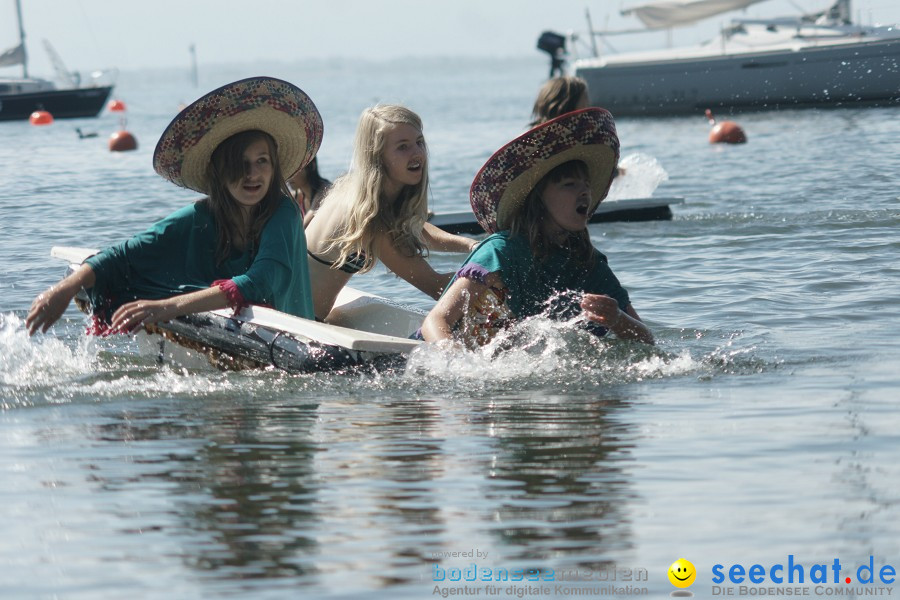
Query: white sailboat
point(812, 60)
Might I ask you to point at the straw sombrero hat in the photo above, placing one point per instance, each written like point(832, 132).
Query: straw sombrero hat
point(277, 107)
point(509, 175)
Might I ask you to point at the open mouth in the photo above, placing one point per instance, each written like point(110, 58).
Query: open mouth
point(582, 209)
point(415, 166)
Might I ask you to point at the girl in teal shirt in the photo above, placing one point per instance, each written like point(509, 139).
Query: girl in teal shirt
point(242, 244)
point(535, 196)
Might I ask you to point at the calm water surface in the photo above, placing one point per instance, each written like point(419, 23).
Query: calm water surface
point(763, 425)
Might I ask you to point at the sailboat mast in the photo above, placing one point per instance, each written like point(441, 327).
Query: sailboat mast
point(22, 40)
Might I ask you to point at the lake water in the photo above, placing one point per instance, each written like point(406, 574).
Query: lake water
point(764, 425)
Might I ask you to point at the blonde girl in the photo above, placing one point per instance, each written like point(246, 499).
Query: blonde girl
point(378, 211)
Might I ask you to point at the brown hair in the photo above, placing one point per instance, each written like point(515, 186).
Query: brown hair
point(558, 96)
point(528, 221)
point(227, 166)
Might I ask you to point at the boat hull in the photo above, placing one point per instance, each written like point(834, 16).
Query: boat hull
point(362, 331)
point(62, 104)
point(854, 74)
point(231, 344)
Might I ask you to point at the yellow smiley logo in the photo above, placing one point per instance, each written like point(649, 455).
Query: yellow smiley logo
point(682, 573)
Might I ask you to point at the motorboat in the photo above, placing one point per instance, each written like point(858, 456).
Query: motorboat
point(363, 331)
point(21, 96)
point(807, 61)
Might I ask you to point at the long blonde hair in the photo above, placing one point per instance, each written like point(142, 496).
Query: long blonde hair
point(360, 193)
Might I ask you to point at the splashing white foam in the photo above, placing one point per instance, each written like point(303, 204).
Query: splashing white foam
point(532, 347)
point(660, 365)
point(46, 369)
point(536, 353)
point(642, 176)
point(558, 352)
point(166, 381)
point(42, 360)
point(543, 351)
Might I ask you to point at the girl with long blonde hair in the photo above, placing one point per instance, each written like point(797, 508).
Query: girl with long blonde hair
point(378, 211)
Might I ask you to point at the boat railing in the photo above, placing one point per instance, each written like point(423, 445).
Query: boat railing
point(801, 29)
point(789, 23)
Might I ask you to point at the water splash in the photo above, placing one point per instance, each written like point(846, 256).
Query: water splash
point(46, 369)
point(41, 360)
point(541, 352)
point(536, 353)
point(642, 176)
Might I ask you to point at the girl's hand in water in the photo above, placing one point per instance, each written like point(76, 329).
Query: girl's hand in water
point(47, 308)
point(625, 324)
point(135, 314)
point(602, 309)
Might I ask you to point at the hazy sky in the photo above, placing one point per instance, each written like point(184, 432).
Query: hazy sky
point(132, 34)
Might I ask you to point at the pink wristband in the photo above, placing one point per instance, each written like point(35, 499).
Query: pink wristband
point(232, 293)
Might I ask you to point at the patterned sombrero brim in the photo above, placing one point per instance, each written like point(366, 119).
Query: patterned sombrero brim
point(276, 107)
point(506, 179)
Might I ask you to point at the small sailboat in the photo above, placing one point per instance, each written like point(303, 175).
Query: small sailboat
point(21, 96)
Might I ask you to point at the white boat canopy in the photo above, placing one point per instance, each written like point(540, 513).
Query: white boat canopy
point(678, 13)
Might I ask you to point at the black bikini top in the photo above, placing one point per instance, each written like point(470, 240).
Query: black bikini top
point(354, 263)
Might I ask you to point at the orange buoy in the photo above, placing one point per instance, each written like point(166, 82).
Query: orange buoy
point(40, 117)
point(116, 106)
point(122, 141)
point(726, 132)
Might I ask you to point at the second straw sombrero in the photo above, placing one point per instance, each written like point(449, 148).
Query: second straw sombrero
point(506, 179)
point(277, 107)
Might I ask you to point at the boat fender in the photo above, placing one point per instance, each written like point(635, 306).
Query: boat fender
point(40, 117)
point(726, 132)
point(122, 141)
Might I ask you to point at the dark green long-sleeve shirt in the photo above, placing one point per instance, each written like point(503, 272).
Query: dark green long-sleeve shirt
point(178, 255)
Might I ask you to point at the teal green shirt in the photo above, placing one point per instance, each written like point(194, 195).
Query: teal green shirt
point(178, 255)
point(531, 284)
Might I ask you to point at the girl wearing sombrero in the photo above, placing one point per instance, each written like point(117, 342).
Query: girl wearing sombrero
point(535, 196)
point(243, 243)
